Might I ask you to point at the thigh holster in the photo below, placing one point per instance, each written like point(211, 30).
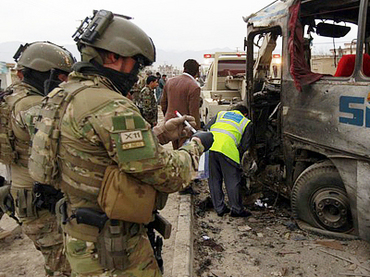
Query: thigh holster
point(112, 243)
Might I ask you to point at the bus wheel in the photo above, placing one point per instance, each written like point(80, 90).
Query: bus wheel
point(320, 199)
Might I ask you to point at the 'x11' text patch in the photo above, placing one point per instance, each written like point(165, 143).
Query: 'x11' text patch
point(132, 139)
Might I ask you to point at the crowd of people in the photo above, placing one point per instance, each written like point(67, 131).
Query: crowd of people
point(83, 147)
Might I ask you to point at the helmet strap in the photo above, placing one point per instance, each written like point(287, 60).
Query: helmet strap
point(52, 82)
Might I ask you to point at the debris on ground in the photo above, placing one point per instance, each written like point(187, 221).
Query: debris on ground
point(268, 243)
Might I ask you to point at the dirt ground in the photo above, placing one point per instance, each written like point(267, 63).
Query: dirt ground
point(269, 243)
point(266, 244)
point(18, 255)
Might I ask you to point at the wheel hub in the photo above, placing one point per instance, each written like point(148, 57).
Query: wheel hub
point(331, 208)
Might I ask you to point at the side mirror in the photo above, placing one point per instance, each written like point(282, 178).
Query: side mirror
point(331, 30)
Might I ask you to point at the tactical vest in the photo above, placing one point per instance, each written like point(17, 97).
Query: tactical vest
point(51, 154)
point(227, 133)
point(14, 150)
point(44, 161)
point(54, 162)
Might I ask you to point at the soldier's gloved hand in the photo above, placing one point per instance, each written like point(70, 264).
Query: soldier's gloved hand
point(173, 129)
point(206, 139)
point(176, 128)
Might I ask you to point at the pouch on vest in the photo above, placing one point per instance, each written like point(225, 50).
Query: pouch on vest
point(8, 155)
point(24, 205)
point(124, 198)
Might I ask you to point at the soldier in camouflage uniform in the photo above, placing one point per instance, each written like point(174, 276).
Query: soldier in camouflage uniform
point(44, 65)
point(96, 132)
point(148, 105)
point(137, 87)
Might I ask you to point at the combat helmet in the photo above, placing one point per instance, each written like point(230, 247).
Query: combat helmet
point(44, 56)
point(116, 34)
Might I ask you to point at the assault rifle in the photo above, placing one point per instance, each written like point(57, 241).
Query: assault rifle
point(6, 200)
point(157, 243)
point(163, 227)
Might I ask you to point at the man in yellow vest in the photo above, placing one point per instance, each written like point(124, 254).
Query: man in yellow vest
point(232, 133)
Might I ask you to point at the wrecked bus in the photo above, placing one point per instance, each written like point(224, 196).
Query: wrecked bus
point(312, 126)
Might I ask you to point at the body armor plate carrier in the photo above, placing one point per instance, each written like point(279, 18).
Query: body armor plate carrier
point(43, 165)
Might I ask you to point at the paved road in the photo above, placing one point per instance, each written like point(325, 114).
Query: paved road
point(178, 249)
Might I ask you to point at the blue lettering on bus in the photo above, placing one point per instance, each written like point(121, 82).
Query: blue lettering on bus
point(359, 116)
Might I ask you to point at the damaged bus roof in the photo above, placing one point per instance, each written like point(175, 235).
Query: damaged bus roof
point(270, 14)
point(345, 10)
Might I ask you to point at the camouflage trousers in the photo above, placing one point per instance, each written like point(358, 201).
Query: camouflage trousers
point(83, 257)
point(47, 238)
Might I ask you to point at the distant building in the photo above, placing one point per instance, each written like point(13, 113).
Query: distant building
point(328, 63)
point(349, 48)
point(323, 64)
point(6, 74)
point(169, 70)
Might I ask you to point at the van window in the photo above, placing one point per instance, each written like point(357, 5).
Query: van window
point(230, 68)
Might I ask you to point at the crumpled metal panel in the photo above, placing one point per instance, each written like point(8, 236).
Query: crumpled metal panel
point(270, 14)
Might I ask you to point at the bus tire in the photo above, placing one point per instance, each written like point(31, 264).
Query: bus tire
point(320, 199)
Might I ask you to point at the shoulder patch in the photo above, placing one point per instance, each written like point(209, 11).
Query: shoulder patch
point(136, 147)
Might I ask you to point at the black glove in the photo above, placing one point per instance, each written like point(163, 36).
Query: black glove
point(206, 139)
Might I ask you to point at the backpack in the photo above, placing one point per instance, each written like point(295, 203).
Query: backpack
point(43, 164)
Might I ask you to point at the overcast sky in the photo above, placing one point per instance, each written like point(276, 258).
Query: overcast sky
point(173, 25)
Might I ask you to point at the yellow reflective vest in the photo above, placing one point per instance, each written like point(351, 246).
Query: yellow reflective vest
point(227, 133)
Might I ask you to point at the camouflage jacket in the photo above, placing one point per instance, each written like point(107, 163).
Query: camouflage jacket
point(25, 102)
point(149, 105)
point(92, 134)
